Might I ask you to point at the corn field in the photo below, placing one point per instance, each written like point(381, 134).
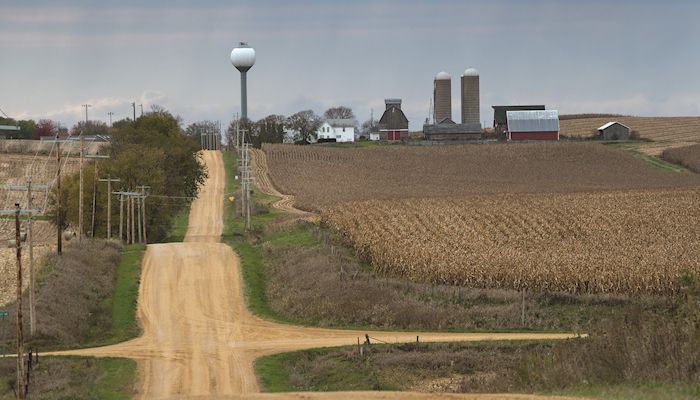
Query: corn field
point(606, 242)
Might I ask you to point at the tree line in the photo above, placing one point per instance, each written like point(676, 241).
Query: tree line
point(152, 151)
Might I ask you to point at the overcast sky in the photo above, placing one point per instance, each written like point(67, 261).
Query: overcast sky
point(631, 57)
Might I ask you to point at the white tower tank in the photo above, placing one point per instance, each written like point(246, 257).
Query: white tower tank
point(243, 58)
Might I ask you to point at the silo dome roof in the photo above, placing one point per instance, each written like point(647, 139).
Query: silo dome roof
point(470, 72)
point(442, 76)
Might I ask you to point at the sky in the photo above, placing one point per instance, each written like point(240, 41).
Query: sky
point(627, 57)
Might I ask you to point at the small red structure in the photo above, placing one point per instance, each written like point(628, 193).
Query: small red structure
point(533, 125)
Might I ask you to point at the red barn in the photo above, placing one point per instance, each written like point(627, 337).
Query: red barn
point(533, 125)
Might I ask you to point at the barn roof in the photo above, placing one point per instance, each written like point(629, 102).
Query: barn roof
point(609, 124)
point(393, 119)
point(533, 121)
point(499, 112)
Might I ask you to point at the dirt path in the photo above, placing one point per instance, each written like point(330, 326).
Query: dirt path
point(199, 340)
point(264, 184)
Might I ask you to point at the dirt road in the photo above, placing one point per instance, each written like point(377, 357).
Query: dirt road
point(264, 184)
point(199, 340)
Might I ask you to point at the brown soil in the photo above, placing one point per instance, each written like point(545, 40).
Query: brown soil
point(199, 339)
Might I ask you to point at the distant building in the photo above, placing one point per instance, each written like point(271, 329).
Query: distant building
point(500, 122)
point(393, 125)
point(443, 126)
point(336, 130)
point(9, 131)
point(614, 131)
point(533, 125)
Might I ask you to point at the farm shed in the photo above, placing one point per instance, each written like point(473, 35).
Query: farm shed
point(614, 131)
point(337, 130)
point(533, 125)
point(9, 131)
point(393, 125)
point(500, 122)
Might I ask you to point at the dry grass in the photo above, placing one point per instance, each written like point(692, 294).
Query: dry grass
point(321, 177)
point(611, 242)
point(687, 156)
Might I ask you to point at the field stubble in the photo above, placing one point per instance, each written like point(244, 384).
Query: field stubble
point(324, 177)
point(609, 242)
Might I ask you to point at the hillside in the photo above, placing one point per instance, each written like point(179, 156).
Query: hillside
point(323, 177)
point(666, 132)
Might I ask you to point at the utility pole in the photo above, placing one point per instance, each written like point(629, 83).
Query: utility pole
point(95, 177)
point(133, 105)
point(80, 195)
point(30, 241)
point(20, 339)
point(86, 109)
point(142, 198)
point(110, 118)
point(141, 105)
point(109, 181)
point(128, 213)
point(121, 216)
point(58, 198)
point(133, 234)
point(138, 218)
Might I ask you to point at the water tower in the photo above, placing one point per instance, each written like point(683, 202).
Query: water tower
point(243, 58)
point(470, 97)
point(442, 93)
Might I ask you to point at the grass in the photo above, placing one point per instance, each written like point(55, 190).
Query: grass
point(126, 290)
point(179, 227)
point(335, 374)
point(397, 367)
point(656, 162)
point(74, 378)
point(115, 380)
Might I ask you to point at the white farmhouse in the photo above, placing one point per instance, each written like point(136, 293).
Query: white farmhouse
point(336, 130)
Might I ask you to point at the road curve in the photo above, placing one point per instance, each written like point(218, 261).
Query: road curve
point(200, 341)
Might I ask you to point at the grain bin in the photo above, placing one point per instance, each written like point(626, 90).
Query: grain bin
point(442, 93)
point(470, 97)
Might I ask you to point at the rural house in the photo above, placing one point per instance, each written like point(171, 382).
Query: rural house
point(336, 130)
point(393, 125)
point(533, 125)
point(614, 131)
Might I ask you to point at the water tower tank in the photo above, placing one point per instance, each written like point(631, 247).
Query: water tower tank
point(470, 97)
point(442, 93)
point(243, 58)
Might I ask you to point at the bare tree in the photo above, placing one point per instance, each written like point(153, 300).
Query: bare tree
point(305, 123)
point(339, 112)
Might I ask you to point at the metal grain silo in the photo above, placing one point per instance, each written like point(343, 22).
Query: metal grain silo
point(442, 93)
point(470, 97)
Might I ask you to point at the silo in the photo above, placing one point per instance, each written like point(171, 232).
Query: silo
point(442, 93)
point(470, 97)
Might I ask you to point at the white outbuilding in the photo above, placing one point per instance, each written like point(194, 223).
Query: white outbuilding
point(336, 130)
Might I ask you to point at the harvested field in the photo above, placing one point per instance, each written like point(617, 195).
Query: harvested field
point(666, 132)
point(322, 177)
point(688, 156)
point(607, 242)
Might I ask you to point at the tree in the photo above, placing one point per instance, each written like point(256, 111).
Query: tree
point(245, 127)
point(46, 127)
point(305, 124)
point(195, 130)
point(89, 128)
point(368, 127)
point(154, 152)
point(269, 130)
point(339, 112)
